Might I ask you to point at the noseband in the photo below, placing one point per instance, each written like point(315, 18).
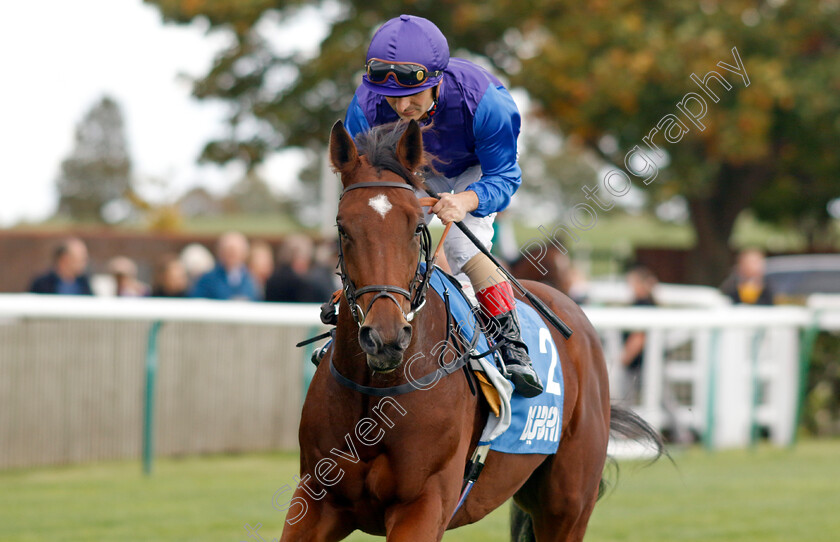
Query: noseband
point(416, 293)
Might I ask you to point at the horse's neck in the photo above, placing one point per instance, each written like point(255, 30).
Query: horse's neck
point(429, 330)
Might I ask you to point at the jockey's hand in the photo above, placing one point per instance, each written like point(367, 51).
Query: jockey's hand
point(454, 207)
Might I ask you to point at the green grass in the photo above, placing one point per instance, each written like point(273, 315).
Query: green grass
point(274, 224)
point(754, 495)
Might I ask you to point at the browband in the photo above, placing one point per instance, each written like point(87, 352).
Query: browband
point(376, 184)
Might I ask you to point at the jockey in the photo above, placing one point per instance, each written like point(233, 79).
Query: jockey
point(474, 127)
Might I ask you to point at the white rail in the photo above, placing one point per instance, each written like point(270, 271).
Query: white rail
point(724, 373)
point(154, 309)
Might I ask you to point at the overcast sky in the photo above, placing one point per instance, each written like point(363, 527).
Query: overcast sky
point(59, 57)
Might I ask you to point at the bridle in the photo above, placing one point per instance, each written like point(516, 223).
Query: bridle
point(416, 292)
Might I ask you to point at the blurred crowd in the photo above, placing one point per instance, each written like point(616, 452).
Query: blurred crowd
point(302, 271)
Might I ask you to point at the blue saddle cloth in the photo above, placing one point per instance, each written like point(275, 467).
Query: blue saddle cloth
point(536, 423)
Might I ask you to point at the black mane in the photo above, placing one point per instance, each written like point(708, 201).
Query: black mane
point(379, 146)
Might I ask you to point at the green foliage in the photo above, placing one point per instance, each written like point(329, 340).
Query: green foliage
point(98, 170)
point(595, 70)
point(821, 415)
point(619, 67)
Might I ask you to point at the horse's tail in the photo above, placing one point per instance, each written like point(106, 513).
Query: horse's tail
point(624, 423)
point(627, 424)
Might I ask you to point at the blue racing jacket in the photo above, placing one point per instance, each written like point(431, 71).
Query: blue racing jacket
point(476, 123)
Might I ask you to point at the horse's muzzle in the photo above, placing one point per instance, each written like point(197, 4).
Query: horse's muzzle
point(384, 356)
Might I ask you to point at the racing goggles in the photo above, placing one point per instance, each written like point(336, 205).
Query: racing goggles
point(406, 74)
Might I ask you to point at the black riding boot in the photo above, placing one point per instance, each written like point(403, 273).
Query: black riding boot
point(504, 328)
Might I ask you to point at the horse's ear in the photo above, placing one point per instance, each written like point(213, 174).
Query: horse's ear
point(410, 147)
point(343, 153)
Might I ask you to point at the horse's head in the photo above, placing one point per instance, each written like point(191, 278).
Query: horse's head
point(382, 236)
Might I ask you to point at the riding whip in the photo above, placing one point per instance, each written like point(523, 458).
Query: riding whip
point(541, 307)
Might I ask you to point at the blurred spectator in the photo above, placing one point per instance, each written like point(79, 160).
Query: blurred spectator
point(124, 271)
point(170, 278)
point(325, 264)
point(294, 280)
point(261, 265)
point(642, 282)
point(230, 278)
point(746, 284)
point(67, 276)
point(197, 261)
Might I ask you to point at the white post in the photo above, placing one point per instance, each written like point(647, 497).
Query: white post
point(653, 378)
point(784, 386)
point(734, 386)
point(701, 352)
point(612, 352)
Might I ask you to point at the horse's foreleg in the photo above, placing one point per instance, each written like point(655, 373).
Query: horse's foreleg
point(423, 520)
point(310, 520)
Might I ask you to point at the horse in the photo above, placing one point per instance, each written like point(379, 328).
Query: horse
point(552, 268)
point(383, 450)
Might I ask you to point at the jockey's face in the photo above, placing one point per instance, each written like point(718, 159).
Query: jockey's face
point(414, 106)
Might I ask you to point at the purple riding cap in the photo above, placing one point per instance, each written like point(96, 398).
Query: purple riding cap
point(408, 39)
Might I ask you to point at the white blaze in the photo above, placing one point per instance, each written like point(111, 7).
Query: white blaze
point(380, 204)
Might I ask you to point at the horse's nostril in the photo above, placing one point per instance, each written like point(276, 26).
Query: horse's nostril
point(404, 337)
point(369, 340)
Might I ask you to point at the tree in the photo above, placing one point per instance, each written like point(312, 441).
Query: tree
point(252, 195)
point(98, 170)
point(600, 71)
point(617, 69)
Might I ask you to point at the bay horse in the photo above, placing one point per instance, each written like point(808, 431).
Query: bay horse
point(375, 459)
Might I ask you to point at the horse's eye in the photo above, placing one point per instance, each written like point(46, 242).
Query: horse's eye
point(341, 232)
point(419, 229)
